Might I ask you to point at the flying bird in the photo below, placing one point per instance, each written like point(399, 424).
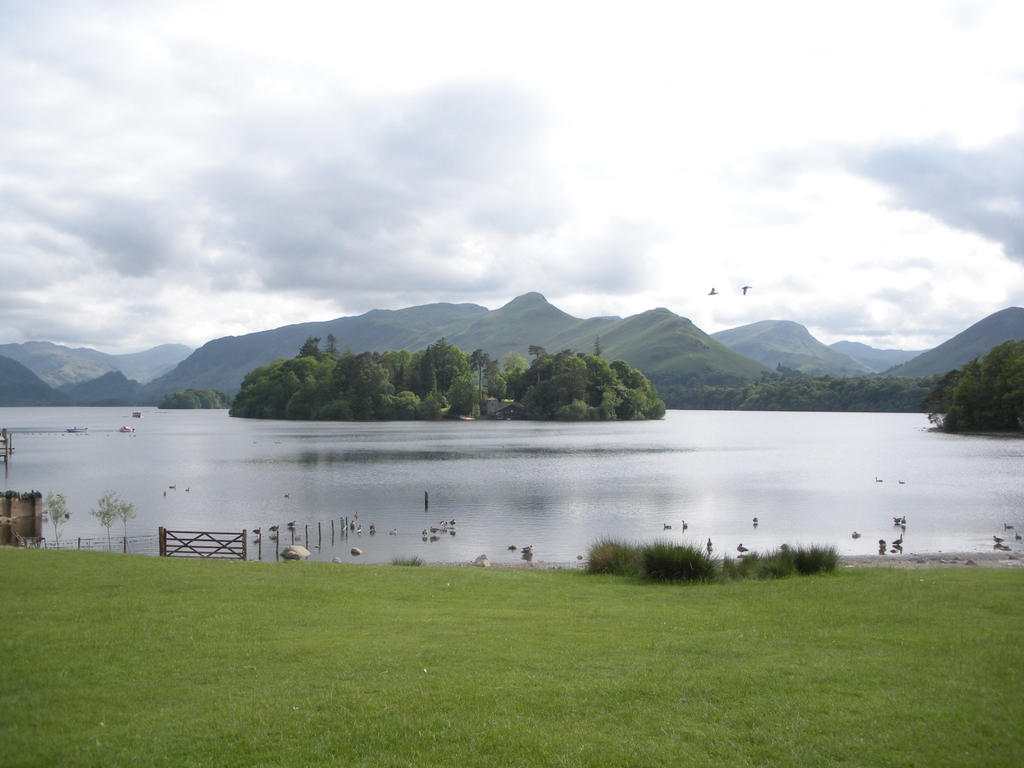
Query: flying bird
point(746, 288)
point(712, 292)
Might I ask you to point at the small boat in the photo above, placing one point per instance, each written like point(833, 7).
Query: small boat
point(126, 428)
point(76, 430)
point(136, 414)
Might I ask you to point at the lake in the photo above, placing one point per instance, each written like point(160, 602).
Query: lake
point(809, 478)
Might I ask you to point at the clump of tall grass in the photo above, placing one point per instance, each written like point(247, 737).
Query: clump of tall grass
point(413, 560)
point(815, 559)
point(754, 565)
point(664, 561)
point(782, 562)
point(608, 555)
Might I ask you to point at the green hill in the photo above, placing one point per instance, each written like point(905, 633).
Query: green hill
point(19, 386)
point(1004, 325)
point(785, 343)
point(667, 348)
point(221, 364)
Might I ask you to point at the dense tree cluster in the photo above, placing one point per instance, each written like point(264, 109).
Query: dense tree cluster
point(442, 380)
point(195, 398)
point(790, 391)
point(984, 395)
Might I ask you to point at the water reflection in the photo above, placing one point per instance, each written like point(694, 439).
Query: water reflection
point(809, 478)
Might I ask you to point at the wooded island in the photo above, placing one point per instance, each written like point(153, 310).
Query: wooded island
point(443, 381)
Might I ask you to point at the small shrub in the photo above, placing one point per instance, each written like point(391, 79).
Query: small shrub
point(611, 556)
point(815, 559)
point(414, 560)
point(663, 561)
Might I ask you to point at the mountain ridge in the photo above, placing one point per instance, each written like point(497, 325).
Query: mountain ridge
point(973, 342)
point(668, 348)
point(788, 344)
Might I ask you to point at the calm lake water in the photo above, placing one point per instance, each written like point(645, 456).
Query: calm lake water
point(810, 478)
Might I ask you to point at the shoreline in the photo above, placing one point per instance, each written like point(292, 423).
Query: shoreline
point(906, 562)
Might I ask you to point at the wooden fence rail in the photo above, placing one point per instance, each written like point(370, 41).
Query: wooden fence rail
point(212, 544)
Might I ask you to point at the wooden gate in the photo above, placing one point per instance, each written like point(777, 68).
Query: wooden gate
point(212, 544)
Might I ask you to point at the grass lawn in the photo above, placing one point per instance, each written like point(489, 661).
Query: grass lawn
point(129, 660)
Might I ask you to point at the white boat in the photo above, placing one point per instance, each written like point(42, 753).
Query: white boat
point(75, 430)
point(126, 428)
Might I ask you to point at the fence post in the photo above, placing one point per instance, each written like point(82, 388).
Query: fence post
point(245, 544)
point(163, 542)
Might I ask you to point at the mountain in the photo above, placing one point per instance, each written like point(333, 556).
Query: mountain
point(669, 349)
point(58, 365)
point(783, 342)
point(221, 364)
point(1004, 325)
point(19, 386)
point(877, 360)
point(151, 363)
point(112, 388)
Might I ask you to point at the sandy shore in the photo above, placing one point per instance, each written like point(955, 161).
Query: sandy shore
point(936, 560)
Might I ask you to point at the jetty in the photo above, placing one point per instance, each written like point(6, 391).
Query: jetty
point(6, 446)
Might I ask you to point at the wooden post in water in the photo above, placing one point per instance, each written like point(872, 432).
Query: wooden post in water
point(319, 535)
point(259, 545)
point(124, 544)
point(426, 501)
point(307, 534)
point(332, 531)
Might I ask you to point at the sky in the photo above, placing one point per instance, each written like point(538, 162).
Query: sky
point(175, 172)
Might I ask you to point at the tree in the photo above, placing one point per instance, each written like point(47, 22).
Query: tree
point(107, 511)
point(462, 397)
point(990, 392)
point(332, 345)
point(125, 512)
point(57, 508)
point(311, 348)
point(479, 361)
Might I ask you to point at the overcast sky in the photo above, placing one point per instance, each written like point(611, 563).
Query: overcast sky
point(177, 171)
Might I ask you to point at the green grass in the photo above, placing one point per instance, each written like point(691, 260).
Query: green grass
point(129, 660)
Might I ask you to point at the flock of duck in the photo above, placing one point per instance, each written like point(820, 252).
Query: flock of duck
point(434, 533)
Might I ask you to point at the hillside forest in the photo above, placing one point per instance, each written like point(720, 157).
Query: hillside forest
point(787, 390)
point(441, 380)
point(987, 394)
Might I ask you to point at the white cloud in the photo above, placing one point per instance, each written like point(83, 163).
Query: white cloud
point(181, 171)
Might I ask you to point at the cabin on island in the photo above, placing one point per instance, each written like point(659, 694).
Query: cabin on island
point(499, 410)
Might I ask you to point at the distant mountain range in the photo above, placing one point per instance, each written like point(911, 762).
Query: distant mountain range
point(670, 350)
point(58, 365)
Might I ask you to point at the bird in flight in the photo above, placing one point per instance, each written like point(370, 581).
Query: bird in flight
point(746, 288)
point(712, 292)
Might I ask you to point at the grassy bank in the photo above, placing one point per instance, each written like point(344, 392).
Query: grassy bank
point(124, 660)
